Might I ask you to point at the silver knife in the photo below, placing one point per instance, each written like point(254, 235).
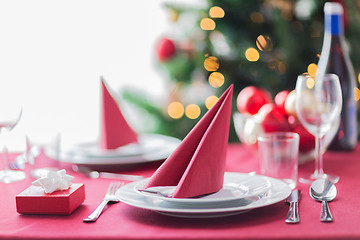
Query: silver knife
point(95, 174)
point(293, 213)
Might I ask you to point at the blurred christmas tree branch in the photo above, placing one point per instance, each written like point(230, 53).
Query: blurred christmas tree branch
point(265, 43)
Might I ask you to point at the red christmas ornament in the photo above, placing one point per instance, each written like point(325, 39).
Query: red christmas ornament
point(251, 99)
point(165, 49)
point(280, 99)
point(307, 140)
point(273, 119)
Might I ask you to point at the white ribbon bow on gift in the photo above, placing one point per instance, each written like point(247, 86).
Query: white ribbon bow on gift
point(54, 181)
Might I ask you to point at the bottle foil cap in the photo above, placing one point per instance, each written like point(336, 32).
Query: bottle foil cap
point(333, 8)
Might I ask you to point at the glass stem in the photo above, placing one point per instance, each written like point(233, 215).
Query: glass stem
point(318, 156)
point(4, 154)
point(5, 159)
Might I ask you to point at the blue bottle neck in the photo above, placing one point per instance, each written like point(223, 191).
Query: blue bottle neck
point(334, 24)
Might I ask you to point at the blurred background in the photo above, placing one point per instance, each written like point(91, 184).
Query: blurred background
point(166, 61)
point(54, 52)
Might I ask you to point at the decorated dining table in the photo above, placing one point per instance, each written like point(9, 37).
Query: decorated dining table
point(200, 188)
point(122, 221)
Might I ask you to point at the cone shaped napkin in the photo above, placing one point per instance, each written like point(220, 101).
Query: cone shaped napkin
point(115, 131)
point(197, 166)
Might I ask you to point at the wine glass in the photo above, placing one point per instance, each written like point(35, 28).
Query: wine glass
point(318, 106)
point(10, 114)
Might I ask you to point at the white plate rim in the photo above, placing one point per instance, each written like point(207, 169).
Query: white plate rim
point(156, 155)
point(280, 189)
point(116, 153)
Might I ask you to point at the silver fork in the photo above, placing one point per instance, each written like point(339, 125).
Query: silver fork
point(109, 197)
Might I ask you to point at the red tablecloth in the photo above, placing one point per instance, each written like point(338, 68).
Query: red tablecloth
point(121, 221)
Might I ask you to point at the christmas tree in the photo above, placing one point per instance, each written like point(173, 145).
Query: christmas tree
point(265, 43)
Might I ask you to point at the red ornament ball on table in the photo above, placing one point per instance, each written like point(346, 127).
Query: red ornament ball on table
point(273, 118)
point(251, 99)
point(280, 99)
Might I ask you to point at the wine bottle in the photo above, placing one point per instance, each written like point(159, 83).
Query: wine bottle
point(334, 58)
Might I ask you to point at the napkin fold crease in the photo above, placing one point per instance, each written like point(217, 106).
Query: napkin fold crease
point(197, 166)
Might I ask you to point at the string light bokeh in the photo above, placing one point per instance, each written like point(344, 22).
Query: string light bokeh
point(192, 111)
point(216, 79)
point(207, 24)
point(176, 110)
point(252, 55)
point(210, 101)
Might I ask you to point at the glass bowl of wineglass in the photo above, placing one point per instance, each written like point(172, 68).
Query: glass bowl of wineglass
point(10, 114)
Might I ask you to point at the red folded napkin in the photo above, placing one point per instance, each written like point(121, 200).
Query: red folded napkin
point(197, 166)
point(115, 131)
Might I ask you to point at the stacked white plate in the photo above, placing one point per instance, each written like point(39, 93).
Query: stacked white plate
point(240, 193)
point(150, 147)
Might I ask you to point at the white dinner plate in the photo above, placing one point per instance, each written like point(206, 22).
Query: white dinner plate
point(277, 192)
point(151, 147)
point(235, 187)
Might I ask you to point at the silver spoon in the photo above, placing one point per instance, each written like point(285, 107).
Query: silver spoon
point(323, 190)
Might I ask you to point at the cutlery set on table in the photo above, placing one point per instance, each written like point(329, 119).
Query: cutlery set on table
point(320, 190)
point(240, 193)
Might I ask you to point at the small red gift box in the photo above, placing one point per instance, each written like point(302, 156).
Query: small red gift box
point(34, 200)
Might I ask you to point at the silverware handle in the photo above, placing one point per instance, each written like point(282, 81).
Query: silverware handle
point(96, 213)
point(325, 215)
point(293, 213)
